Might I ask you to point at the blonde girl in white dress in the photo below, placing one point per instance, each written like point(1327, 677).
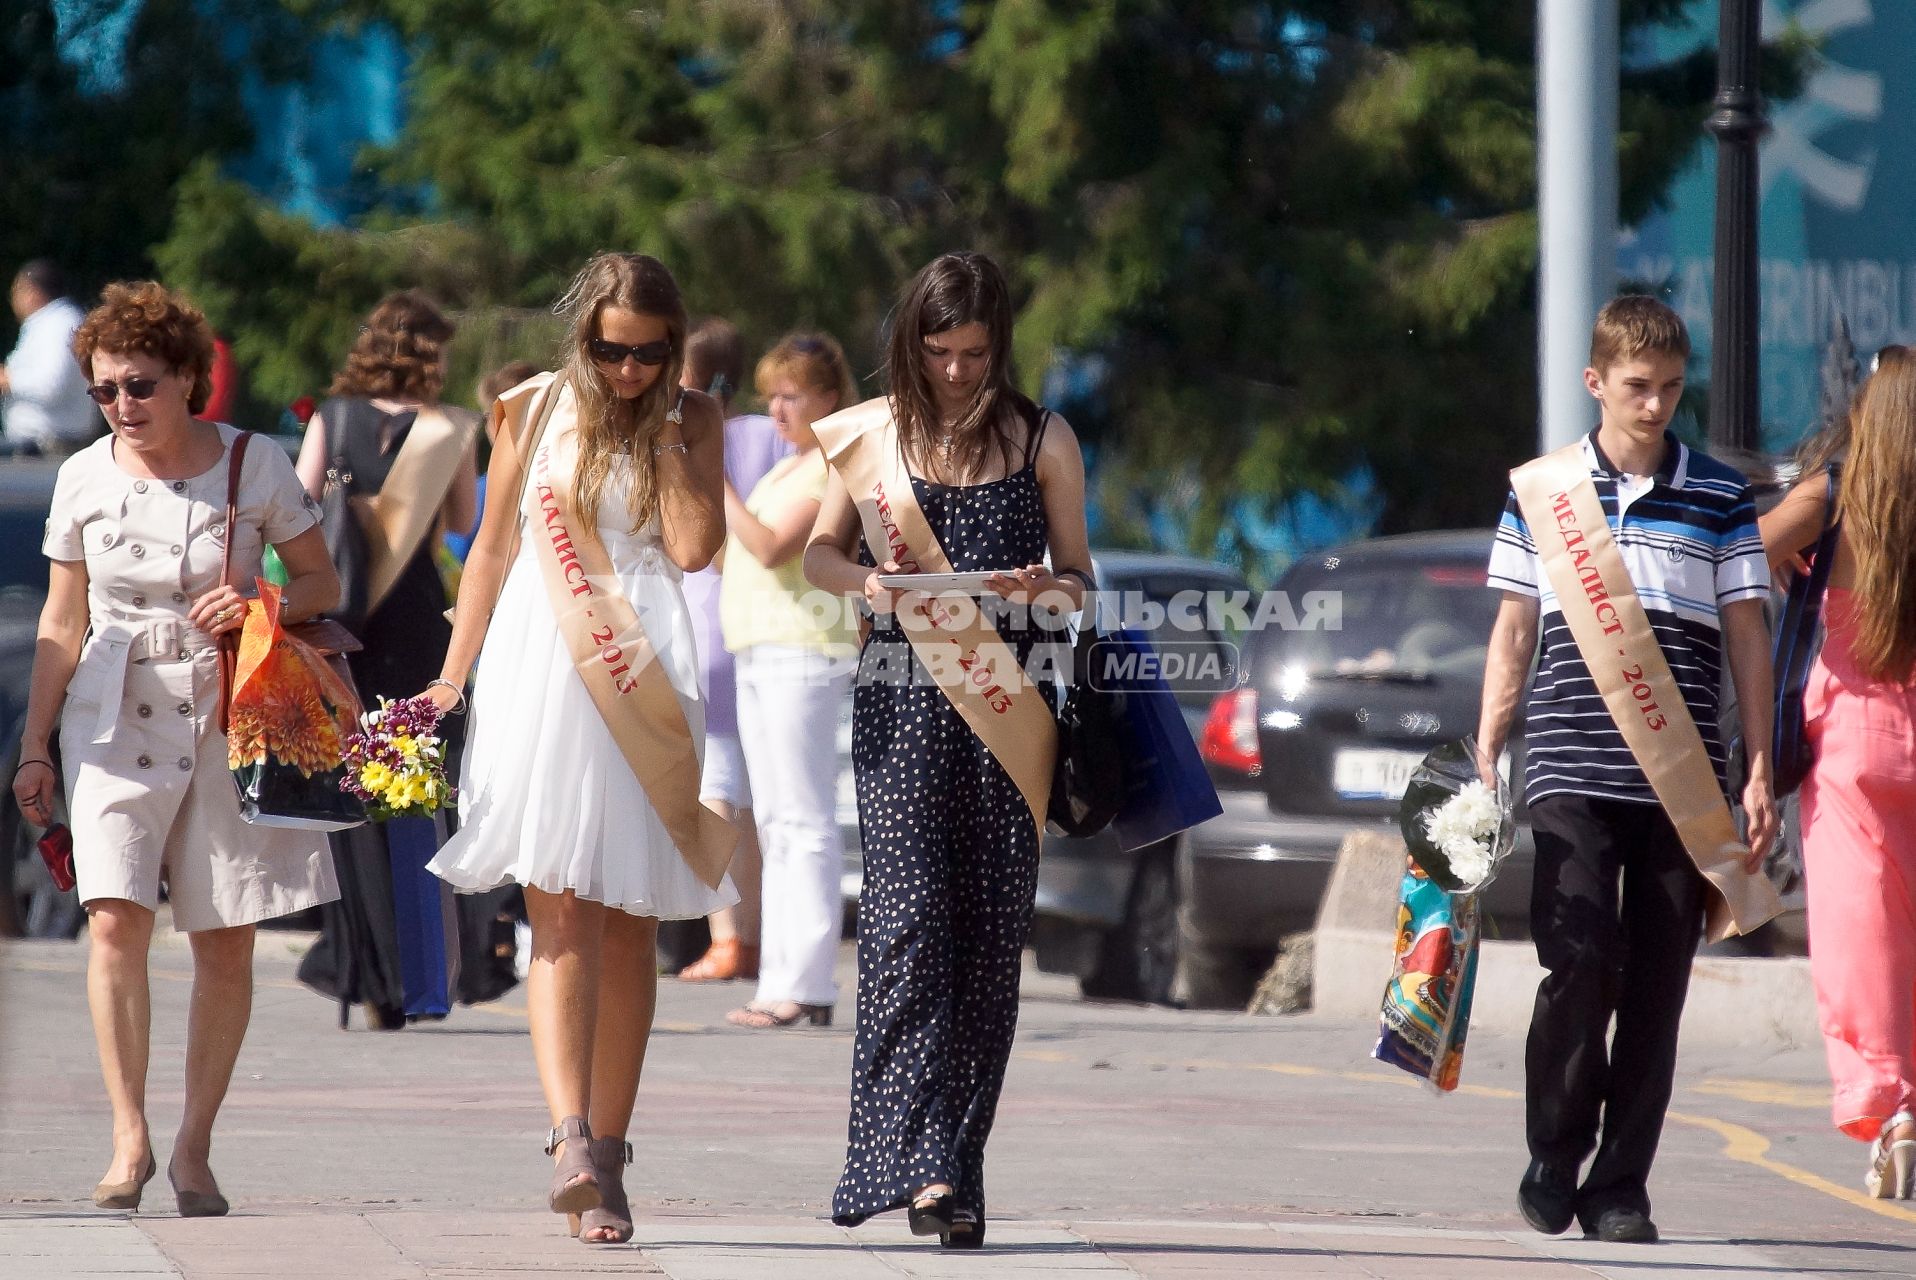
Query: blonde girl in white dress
point(548, 798)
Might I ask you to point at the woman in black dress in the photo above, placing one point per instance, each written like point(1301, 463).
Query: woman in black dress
point(950, 843)
point(391, 943)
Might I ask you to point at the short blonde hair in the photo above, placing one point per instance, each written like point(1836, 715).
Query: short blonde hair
point(815, 360)
point(1634, 326)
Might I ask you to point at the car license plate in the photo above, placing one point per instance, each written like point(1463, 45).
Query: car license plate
point(1365, 774)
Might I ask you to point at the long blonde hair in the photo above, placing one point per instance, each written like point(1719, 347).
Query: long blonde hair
point(1878, 505)
point(610, 427)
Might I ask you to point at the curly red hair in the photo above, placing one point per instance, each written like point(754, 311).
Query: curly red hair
point(400, 351)
point(143, 317)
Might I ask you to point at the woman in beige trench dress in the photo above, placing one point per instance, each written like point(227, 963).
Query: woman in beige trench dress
point(127, 644)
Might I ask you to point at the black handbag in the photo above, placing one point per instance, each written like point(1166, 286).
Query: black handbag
point(1799, 637)
point(345, 537)
point(1087, 780)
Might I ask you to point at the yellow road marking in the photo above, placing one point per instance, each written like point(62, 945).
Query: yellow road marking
point(1767, 1093)
point(1747, 1146)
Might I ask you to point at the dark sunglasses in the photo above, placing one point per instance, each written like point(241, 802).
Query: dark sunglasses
point(646, 353)
point(138, 388)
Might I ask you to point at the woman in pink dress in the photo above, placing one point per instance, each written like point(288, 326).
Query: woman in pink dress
point(1859, 845)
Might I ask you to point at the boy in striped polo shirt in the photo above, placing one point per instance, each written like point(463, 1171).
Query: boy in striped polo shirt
point(1617, 904)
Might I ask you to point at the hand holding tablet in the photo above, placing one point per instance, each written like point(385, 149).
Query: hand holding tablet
point(935, 584)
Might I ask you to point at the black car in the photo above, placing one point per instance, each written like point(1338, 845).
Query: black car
point(1321, 738)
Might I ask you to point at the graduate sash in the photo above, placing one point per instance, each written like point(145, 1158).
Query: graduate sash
point(607, 640)
point(1613, 634)
point(397, 518)
point(958, 646)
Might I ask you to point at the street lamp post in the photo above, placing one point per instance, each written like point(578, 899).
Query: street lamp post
point(1738, 123)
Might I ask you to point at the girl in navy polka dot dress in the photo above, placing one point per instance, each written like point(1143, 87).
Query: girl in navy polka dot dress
point(950, 843)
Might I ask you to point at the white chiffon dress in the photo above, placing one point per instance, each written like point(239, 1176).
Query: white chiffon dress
point(546, 799)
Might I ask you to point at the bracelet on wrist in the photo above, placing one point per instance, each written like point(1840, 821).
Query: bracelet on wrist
point(457, 708)
point(680, 447)
point(1079, 574)
point(35, 760)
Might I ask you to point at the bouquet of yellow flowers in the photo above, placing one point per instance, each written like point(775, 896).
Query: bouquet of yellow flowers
point(396, 763)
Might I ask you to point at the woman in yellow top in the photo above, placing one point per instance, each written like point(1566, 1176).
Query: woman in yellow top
point(796, 650)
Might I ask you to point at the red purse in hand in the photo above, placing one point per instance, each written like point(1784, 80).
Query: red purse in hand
point(56, 847)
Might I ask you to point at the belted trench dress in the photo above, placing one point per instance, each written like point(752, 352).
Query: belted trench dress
point(150, 798)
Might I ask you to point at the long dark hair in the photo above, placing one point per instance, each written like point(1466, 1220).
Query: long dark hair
point(953, 290)
point(609, 427)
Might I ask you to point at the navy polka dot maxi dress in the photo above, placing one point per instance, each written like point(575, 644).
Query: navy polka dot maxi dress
point(951, 870)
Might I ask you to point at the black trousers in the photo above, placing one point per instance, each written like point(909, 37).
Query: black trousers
point(1617, 912)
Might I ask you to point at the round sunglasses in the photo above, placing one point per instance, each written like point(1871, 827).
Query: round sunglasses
point(104, 393)
point(649, 354)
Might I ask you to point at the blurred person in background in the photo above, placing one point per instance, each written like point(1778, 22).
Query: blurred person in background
point(407, 462)
point(1859, 712)
point(490, 388)
point(127, 662)
point(43, 394)
point(714, 364)
point(221, 404)
point(794, 672)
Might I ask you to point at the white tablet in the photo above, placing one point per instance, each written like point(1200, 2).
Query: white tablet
point(970, 584)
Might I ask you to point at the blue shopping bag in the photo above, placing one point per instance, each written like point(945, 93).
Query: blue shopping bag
point(1166, 787)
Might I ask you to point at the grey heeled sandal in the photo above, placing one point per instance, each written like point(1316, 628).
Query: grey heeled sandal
point(575, 1182)
point(610, 1156)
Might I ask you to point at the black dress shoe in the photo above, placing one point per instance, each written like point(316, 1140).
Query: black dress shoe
point(1625, 1226)
point(1548, 1197)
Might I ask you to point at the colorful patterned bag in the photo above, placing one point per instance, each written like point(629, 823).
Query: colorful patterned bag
point(1426, 1010)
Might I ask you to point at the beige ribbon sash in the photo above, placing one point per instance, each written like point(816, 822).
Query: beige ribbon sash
point(958, 645)
point(1613, 634)
point(616, 659)
point(398, 518)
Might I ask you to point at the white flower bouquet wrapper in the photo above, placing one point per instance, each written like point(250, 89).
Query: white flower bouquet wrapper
point(1458, 830)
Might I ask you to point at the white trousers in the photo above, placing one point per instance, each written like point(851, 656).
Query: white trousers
point(788, 706)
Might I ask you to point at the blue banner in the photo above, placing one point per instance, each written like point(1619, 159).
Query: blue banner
point(1838, 188)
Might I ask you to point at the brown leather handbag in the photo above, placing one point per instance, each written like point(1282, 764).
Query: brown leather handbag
point(332, 640)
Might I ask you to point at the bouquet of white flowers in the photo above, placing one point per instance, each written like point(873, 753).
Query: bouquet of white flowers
point(1457, 829)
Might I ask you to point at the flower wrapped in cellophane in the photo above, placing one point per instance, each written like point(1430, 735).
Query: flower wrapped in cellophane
point(396, 762)
point(1458, 831)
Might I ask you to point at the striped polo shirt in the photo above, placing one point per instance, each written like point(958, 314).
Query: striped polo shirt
point(1689, 541)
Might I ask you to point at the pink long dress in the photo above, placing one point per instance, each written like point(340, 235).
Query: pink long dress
point(1859, 853)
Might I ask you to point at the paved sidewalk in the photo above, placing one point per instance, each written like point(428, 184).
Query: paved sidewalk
point(1132, 1142)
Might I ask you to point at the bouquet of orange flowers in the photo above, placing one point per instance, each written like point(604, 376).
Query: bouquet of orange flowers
point(286, 719)
point(396, 762)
